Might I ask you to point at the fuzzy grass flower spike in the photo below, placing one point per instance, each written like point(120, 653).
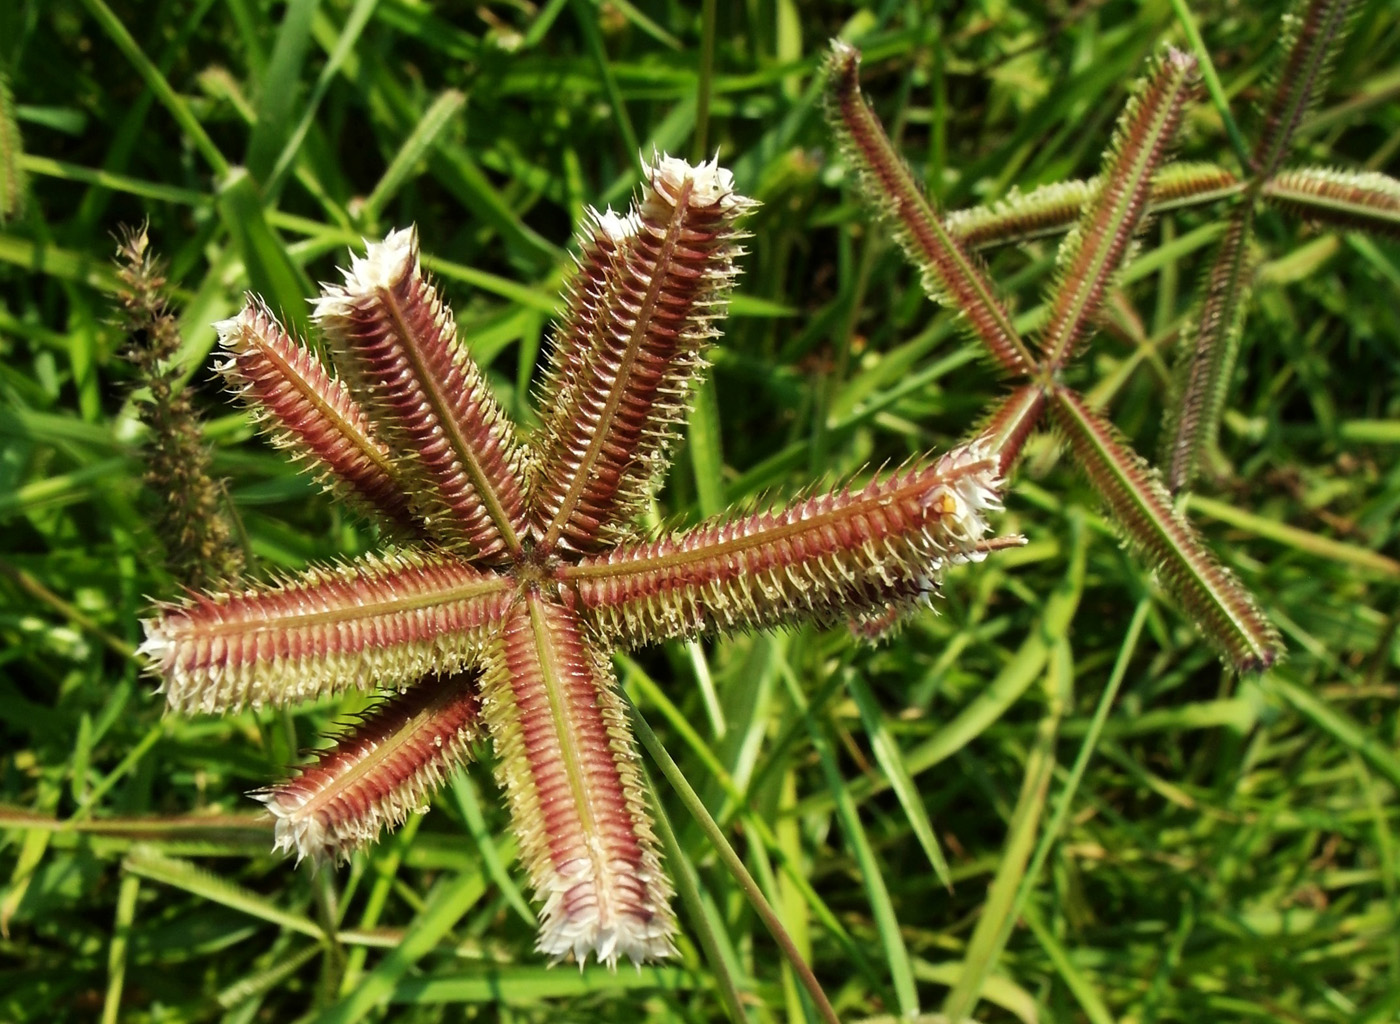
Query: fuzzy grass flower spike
point(519, 565)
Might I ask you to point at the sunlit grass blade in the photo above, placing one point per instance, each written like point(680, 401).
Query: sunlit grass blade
point(404, 165)
point(1217, 602)
point(1054, 208)
point(1092, 254)
point(1364, 200)
point(1313, 33)
point(999, 912)
point(1209, 349)
point(951, 275)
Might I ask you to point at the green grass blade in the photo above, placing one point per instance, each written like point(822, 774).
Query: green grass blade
point(423, 138)
point(891, 761)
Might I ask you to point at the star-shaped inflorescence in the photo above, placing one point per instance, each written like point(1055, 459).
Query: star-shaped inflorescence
point(519, 565)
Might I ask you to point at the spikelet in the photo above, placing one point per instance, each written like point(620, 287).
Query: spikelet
point(824, 559)
point(378, 773)
point(650, 287)
point(392, 335)
point(384, 621)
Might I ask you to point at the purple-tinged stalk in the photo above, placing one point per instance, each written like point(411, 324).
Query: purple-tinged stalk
point(951, 274)
point(565, 758)
point(379, 773)
point(383, 621)
point(826, 559)
point(1312, 39)
point(1367, 200)
point(1054, 208)
point(1219, 604)
point(395, 339)
point(650, 287)
point(1091, 256)
point(306, 411)
point(1210, 348)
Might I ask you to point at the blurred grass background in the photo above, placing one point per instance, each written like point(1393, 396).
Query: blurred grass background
point(1129, 832)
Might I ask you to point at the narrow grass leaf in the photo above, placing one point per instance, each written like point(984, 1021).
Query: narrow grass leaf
point(270, 270)
point(147, 862)
point(871, 873)
point(127, 894)
point(1210, 348)
point(1093, 253)
point(280, 92)
point(1221, 607)
point(951, 275)
point(1365, 200)
point(999, 913)
point(1337, 724)
point(419, 143)
point(12, 177)
point(443, 907)
point(891, 761)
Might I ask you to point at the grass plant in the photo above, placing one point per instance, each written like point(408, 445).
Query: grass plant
point(1048, 801)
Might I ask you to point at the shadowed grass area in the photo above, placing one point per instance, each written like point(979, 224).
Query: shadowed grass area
point(1046, 802)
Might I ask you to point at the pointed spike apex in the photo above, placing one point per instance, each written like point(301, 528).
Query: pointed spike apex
point(1311, 39)
point(950, 274)
point(1223, 610)
point(377, 774)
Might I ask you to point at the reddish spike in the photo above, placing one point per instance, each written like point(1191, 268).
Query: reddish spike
point(384, 621)
point(630, 349)
point(427, 397)
point(565, 757)
point(822, 559)
point(307, 411)
point(379, 773)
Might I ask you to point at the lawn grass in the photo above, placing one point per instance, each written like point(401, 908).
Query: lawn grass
point(1048, 801)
